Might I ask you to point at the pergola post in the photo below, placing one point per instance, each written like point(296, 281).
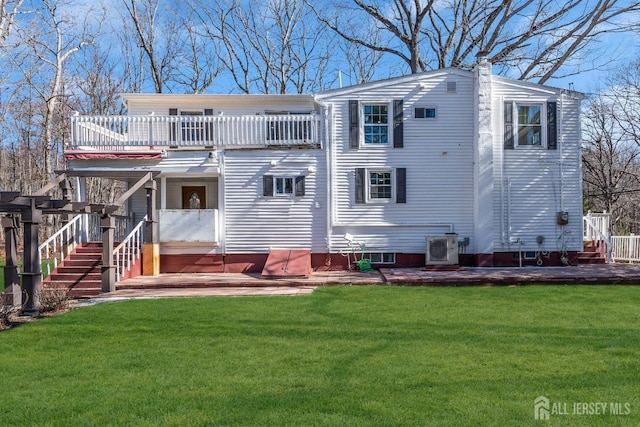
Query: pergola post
point(66, 189)
point(108, 225)
point(151, 247)
point(13, 294)
point(32, 275)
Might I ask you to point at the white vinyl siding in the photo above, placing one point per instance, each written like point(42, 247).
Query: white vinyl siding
point(437, 155)
point(254, 222)
point(532, 186)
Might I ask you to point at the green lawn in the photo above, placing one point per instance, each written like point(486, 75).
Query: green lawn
point(362, 356)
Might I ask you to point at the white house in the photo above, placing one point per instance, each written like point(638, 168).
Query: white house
point(446, 166)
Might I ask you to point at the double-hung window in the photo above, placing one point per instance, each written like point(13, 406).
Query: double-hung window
point(380, 184)
point(529, 125)
point(376, 124)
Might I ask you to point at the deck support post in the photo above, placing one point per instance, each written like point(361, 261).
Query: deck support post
point(66, 189)
point(108, 225)
point(12, 292)
point(151, 247)
point(32, 275)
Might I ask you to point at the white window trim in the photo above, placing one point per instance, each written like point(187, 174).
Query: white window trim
point(543, 124)
point(389, 143)
point(368, 198)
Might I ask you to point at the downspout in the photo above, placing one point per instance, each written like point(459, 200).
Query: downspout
point(328, 120)
point(561, 142)
point(327, 139)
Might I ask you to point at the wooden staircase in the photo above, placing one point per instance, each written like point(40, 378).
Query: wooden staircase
point(593, 253)
point(80, 272)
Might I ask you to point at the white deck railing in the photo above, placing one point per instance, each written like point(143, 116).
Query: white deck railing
point(127, 253)
point(131, 132)
point(596, 228)
point(56, 248)
point(625, 248)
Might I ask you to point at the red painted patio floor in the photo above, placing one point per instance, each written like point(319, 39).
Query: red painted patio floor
point(254, 284)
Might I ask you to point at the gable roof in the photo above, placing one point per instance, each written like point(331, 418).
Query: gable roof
point(394, 80)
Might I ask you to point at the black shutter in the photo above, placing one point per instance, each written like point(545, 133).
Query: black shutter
point(401, 185)
point(208, 136)
point(299, 186)
point(354, 125)
point(173, 127)
point(552, 126)
point(398, 131)
point(360, 177)
point(508, 125)
point(267, 185)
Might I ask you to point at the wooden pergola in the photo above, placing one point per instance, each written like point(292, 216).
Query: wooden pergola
point(30, 209)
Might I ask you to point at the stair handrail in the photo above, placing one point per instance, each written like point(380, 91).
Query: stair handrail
point(593, 230)
point(61, 243)
point(128, 251)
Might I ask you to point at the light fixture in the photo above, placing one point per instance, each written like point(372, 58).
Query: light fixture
point(311, 169)
point(274, 163)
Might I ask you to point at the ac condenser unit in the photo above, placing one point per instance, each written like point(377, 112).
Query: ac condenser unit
point(442, 250)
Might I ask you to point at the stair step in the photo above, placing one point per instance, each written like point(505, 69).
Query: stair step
point(76, 278)
point(591, 260)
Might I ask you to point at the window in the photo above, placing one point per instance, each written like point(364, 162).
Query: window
point(377, 185)
point(529, 126)
point(380, 185)
point(425, 112)
point(382, 258)
point(376, 123)
point(283, 185)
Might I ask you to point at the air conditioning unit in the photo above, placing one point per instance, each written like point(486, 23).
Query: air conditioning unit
point(442, 250)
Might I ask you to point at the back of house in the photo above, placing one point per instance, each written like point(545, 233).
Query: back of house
point(444, 167)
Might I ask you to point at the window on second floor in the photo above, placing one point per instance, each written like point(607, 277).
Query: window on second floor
point(529, 126)
point(376, 124)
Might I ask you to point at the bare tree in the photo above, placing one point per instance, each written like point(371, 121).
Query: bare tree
point(198, 62)
point(51, 38)
point(537, 37)
point(271, 48)
point(144, 16)
point(611, 150)
point(8, 11)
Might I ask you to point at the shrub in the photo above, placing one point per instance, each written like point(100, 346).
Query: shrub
point(6, 311)
point(54, 298)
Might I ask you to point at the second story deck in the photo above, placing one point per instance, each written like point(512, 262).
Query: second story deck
point(114, 133)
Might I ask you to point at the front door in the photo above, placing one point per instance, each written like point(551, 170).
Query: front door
point(194, 197)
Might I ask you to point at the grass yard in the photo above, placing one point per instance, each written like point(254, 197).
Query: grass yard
point(361, 356)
